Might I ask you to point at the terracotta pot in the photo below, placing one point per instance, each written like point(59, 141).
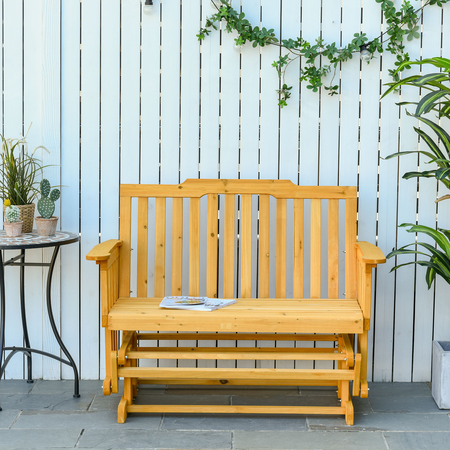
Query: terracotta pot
point(46, 227)
point(13, 229)
point(26, 215)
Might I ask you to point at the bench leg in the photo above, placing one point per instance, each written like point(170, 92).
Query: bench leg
point(134, 363)
point(110, 345)
point(349, 413)
point(363, 344)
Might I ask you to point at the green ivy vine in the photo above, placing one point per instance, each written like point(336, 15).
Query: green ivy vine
point(401, 24)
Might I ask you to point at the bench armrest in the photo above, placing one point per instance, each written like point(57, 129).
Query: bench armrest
point(369, 253)
point(103, 251)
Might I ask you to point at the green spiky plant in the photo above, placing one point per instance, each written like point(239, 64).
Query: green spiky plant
point(12, 214)
point(437, 100)
point(46, 204)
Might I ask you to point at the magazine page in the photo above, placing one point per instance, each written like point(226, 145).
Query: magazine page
point(195, 303)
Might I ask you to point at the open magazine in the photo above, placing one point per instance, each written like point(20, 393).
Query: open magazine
point(195, 303)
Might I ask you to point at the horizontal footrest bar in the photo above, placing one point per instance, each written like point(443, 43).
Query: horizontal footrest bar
point(235, 337)
point(236, 374)
point(249, 382)
point(235, 409)
point(238, 353)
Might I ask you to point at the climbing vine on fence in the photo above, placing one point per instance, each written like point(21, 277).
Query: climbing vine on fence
point(401, 24)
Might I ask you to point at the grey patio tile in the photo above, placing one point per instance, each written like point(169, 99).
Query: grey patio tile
point(306, 440)
point(15, 387)
point(105, 402)
point(7, 418)
point(399, 389)
point(383, 422)
point(232, 390)
point(216, 422)
point(14, 439)
point(417, 441)
point(318, 390)
point(84, 420)
point(58, 387)
point(142, 399)
point(155, 439)
point(271, 400)
point(61, 402)
point(394, 403)
point(362, 405)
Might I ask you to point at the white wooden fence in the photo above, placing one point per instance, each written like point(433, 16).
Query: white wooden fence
point(118, 96)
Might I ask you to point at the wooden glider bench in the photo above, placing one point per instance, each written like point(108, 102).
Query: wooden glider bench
point(284, 251)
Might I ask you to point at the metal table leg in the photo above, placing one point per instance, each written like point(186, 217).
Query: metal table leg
point(24, 319)
point(53, 325)
point(2, 312)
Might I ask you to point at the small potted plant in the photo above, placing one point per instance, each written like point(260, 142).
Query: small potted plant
point(46, 222)
point(18, 172)
point(13, 226)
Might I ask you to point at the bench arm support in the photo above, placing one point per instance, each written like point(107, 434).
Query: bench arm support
point(103, 251)
point(369, 253)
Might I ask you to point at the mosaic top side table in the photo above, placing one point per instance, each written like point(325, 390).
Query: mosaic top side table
point(22, 243)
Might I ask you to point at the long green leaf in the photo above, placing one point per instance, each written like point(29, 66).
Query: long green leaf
point(434, 234)
point(429, 141)
point(443, 172)
point(394, 155)
point(428, 101)
point(424, 174)
point(441, 133)
point(440, 76)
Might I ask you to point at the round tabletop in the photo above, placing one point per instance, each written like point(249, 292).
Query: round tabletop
point(33, 240)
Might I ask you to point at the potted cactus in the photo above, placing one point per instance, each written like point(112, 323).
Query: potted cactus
point(13, 226)
point(46, 222)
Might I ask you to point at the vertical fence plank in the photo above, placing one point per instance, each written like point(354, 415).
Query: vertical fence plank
point(90, 140)
point(32, 104)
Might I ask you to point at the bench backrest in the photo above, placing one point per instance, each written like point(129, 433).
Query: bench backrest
point(237, 238)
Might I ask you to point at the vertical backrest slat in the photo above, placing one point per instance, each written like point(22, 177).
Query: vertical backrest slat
point(177, 246)
point(160, 247)
point(245, 245)
point(194, 247)
point(350, 250)
point(264, 246)
point(211, 247)
point(315, 247)
point(299, 211)
point(125, 253)
point(228, 249)
point(333, 248)
point(142, 248)
point(281, 249)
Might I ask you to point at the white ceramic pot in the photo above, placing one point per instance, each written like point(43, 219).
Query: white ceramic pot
point(46, 227)
point(13, 229)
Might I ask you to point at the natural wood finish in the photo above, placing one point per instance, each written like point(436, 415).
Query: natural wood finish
point(236, 409)
point(160, 247)
point(233, 337)
point(250, 319)
point(142, 248)
point(102, 251)
point(281, 249)
point(298, 248)
point(350, 250)
point(245, 245)
point(177, 246)
point(228, 251)
point(264, 246)
point(236, 374)
point(333, 248)
point(193, 188)
point(125, 251)
point(211, 247)
point(194, 247)
point(315, 248)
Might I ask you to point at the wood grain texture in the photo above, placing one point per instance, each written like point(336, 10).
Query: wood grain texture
point(333, 248)
point(229, 246)
point(298, 248)
point(264, 246)
point(177, 246)
point(194, 247)
point(281, 249)
point(315, 248)
point(211, 247)
point(142, 248)
point(160, 247)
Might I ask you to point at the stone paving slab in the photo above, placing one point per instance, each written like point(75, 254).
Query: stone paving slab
point(142, 399)
point(271, 400)
point(233, 390)
point(61, 402)
point(85, 420)
point(15, 387)
point(111, 438)
point(417, 441)
point(105, 402)
point(383, 422)
point(399, 389)
point(7, 418)
point(307, 440)
point(221, 422)
point(58, 387)
point(50, 438)
point(403, 404)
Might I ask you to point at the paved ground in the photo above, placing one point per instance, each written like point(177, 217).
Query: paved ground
point(397, 416)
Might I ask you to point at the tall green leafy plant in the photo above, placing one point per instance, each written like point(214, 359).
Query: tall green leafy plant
point(436, 87)
point(18, 171)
